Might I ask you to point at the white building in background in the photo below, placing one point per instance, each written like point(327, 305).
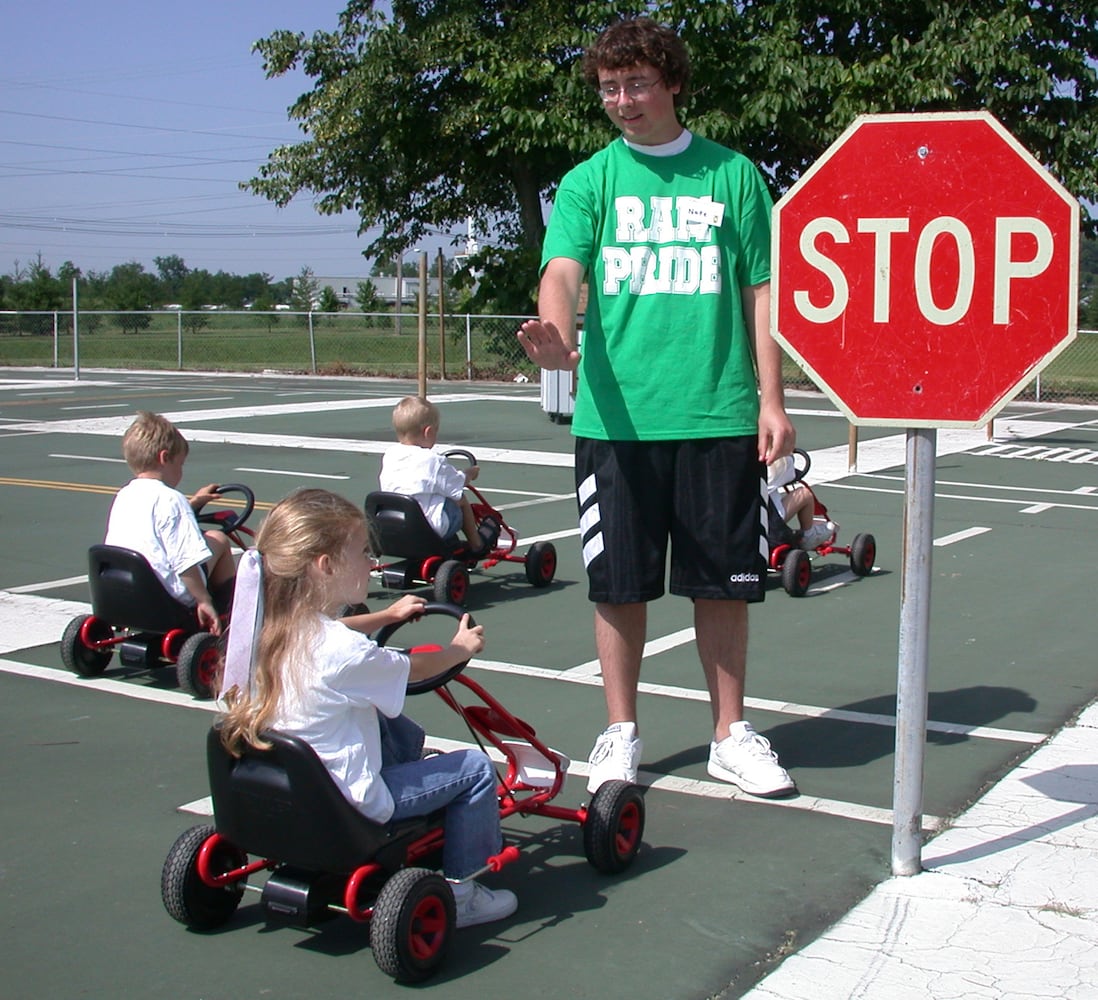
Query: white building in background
point(346, 288)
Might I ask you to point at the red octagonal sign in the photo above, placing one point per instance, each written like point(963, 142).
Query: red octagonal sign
point(924, 269)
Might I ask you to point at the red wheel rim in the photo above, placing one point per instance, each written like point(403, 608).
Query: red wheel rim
point(209, 666)
point(427, 931)
point(548, 566)
point(459, 587)
point(625, 837)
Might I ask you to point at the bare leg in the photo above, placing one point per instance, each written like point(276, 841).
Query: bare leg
point(721, 631)
point(469, 523)
point(619, 640)
point(221, 568)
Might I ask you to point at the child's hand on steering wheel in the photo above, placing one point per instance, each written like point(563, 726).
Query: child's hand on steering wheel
point(204, 496)
point(406, 608)
point(468, 639)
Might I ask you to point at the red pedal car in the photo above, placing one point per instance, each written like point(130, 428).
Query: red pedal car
point(788, 554)
point(134, 615)
point(419, 556)
point(278, 812)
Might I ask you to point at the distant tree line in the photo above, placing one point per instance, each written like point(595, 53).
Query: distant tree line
point(130, 287)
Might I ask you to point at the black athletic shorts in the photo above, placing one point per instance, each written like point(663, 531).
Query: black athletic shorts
point(708, 496)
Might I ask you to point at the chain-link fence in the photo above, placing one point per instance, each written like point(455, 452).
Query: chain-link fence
point(458, 346)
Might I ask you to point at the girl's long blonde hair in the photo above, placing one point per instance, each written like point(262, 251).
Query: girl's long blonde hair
point(306, 525)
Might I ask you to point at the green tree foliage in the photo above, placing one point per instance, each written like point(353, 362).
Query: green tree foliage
point(1088, 285)
point(329, 301)
point(34, 288)
point(172, 272)
point(306, 291)
point(450, 109)
point(366, 297)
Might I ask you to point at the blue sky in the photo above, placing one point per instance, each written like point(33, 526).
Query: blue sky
point(126, 127)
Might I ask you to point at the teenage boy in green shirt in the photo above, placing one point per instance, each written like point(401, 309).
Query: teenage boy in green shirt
point(679, 402)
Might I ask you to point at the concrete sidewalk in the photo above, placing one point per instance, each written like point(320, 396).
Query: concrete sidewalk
point(1005, 909)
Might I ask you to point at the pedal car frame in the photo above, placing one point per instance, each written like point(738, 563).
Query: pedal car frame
point(423, 558)
point(279, 811)
point(787, 555)
point(135, 615)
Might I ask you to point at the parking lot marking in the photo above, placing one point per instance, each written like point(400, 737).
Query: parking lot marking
point(289, 472)
point(959, 536)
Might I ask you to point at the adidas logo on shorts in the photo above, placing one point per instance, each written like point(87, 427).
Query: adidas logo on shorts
point(744, 578)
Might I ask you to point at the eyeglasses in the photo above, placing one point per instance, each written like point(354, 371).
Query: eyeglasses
point(633, 89)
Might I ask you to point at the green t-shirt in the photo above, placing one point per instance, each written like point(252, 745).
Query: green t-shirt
point(667, 242)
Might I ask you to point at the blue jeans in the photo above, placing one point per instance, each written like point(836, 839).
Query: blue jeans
point(452, 519)
point(462, 781)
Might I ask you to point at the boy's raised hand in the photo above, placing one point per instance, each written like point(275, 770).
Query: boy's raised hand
point(545, 346)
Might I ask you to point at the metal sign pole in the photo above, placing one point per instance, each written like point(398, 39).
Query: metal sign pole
point(911, 685)
point(422, 365)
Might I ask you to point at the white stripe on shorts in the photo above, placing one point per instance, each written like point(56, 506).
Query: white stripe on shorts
point(764, 510)
point(590, 520)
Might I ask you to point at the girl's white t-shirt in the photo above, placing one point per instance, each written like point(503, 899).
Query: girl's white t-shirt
point(333, 705)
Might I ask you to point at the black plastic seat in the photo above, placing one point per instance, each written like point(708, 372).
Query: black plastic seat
point(127, 593)
point(403, 529)
point(282, 804)
point(779, 532)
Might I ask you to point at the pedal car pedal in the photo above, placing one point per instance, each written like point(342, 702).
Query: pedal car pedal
point(534, 768)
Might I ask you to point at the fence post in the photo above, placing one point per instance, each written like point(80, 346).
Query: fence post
point(312, 343)
point(441, 316)
point(55, 336)
point(179, 340)
point(421, 366)
point(468, 347)
point(75, 334)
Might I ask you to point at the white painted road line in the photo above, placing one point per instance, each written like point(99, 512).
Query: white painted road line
point(289, 472)
point(959, 536)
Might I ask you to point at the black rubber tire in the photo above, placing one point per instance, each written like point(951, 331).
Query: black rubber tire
point(199, 666)
point(541, 564)
point(428, 683)
point(863, 554)
point(451, 583)
point(185, 896)
point(78, 657)
point(796, 572)
point(413, 925)
point(614, 826)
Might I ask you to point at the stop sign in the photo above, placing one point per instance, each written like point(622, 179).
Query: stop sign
point(924, 269)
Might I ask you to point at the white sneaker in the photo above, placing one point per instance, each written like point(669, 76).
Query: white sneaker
point(615, 755)
point(815, 535)
point(745, 759)
point(477, 905)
